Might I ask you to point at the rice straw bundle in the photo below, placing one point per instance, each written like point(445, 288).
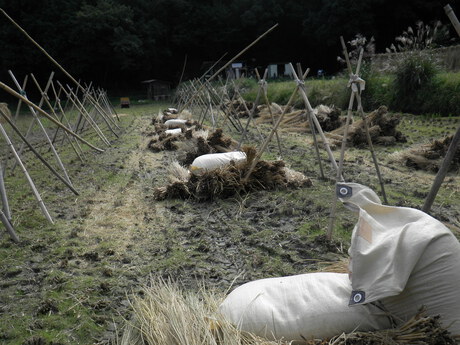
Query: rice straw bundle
point(166, 314)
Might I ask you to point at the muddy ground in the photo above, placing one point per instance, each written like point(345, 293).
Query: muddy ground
point(70, 283)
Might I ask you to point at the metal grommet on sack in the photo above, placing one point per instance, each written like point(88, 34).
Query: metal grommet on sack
point(357, 297)
point(344, 191)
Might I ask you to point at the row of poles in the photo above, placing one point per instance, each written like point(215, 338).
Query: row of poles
point(215, 102)
point(74, 110)
point(208, 100)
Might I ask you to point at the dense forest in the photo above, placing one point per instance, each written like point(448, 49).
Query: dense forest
point(118, 43)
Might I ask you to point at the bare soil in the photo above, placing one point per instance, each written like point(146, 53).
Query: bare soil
point(69, 283)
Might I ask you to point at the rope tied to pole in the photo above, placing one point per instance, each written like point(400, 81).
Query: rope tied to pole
point(356, 83)
point(300, 83)
point(263, 85)
point(23, 92)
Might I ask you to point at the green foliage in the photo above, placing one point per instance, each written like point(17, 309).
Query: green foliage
point(414, 75)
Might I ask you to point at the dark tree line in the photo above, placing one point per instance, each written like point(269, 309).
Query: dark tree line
point(121, 42)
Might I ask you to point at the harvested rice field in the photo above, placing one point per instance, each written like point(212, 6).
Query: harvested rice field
point(78, 281)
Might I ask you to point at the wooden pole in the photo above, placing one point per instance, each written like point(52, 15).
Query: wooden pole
point(9, 227)
point(34, 114)
point(34, 117)
point(64, 117)
point(54, 113)
point(339, 176)
point(357, 91)
point(251, 114)
point(45, 114)
point(313, 132)
point(455, 140)
point(233, 59)
point(29, 179)
point(303, 93)
point(47, 55)
point(270, 136)
point(263, 83)
point(18, 108)
point(454, 145)
point(4, 197)
point(40, 157)
point(75, 101)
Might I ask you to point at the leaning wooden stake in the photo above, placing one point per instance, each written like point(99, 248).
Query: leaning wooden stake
point(270, 136)
point(355, 80)
point(339, 176)
point(96, 105)
point(29, 179)
point(263, 84)
point(45, 114)
point(35, 116)
point(311, 113)
point(38, 155)
point(229, 62)
point(5, 203)
point(454, 145)
point(9, 227)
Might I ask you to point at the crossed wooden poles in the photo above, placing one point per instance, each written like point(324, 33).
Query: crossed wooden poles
point(71, 133)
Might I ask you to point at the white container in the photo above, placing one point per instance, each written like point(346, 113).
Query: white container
point(215, 160)
point(175, 123)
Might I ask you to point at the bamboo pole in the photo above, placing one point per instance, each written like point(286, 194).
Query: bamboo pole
point(38, 155)
point(454, 145)
point(270, 136)
point(64, 117)
point(251, 114)
point(76, 102)
point(250, 118)
point(313, 132)
point(455, 140)
point(34, 118)
point(45, 53)
point(234, 58)
point(55, 115)
point(34, 114)
point(45, 114)
point(26, 173)
point(339, 176)
point(18, 108)
point(303, 94)
point(263, 84)
point(4, 197)
point(357, 91)
point(9, 227)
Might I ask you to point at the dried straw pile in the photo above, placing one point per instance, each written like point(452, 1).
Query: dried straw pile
point(297, 120)
point(238, 108)
point(202, 144)
point(429, 157)
point(382, 129)
point(229, 180)
point(166, 314)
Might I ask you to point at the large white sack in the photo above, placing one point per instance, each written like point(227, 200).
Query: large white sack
point(213, 161)
point(174, 123)
point(306, 306)
point(403, 258)
point(174, 131)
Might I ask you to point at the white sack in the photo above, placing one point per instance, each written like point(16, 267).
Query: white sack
point(215, 160)
point(174, 123)
point(311, 305)
point(403, 258)
point(174, 131)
